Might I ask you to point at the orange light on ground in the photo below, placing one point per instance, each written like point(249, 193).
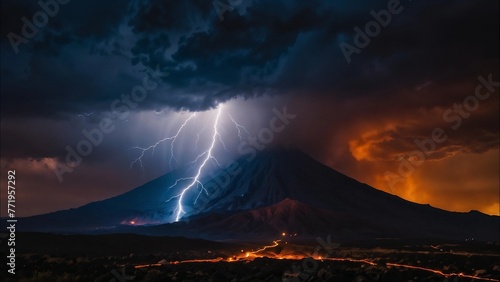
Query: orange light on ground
point(353, 260)
point(298, 257)
point(147, 265)
point(439, 272)
point(275, 244)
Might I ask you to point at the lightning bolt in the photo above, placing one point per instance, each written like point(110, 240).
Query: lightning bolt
point(193, 182)
point(198, 139)
point(195, 179)
point(152, 147)
point(240, 129)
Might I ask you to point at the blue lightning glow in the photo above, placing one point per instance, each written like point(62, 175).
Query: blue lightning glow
point(198, 139)
point(195, 179)
point(240, 128)
point(203, 158)
point(152, 147)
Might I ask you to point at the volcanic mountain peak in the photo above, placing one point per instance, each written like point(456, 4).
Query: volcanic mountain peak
point(263, 194)
point(289, 202)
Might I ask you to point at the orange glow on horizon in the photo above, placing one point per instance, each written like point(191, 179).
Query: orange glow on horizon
point(250, 256)
point(460, 183)
point(439, 272)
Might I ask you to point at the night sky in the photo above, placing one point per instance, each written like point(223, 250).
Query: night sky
point(411, 109)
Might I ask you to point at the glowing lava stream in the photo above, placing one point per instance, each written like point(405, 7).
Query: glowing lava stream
point(275, 244)
point(299, 257)
point(446, 275)
point(195, 179)
point(219, 259)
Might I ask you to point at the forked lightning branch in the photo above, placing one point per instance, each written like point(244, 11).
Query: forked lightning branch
point(207, 156)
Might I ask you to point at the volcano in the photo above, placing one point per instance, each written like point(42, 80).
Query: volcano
point(263, 196)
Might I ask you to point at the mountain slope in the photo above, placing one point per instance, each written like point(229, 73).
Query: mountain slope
point(278, 190)
point(304, 222)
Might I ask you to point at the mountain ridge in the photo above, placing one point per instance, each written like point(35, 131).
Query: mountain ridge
point(276, 190)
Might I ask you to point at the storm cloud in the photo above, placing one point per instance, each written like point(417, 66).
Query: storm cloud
point(359, 112)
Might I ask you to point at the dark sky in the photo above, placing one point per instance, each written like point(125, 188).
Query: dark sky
point(363, 112)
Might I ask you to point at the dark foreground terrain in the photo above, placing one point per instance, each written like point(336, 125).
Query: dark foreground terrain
point(125, 257)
